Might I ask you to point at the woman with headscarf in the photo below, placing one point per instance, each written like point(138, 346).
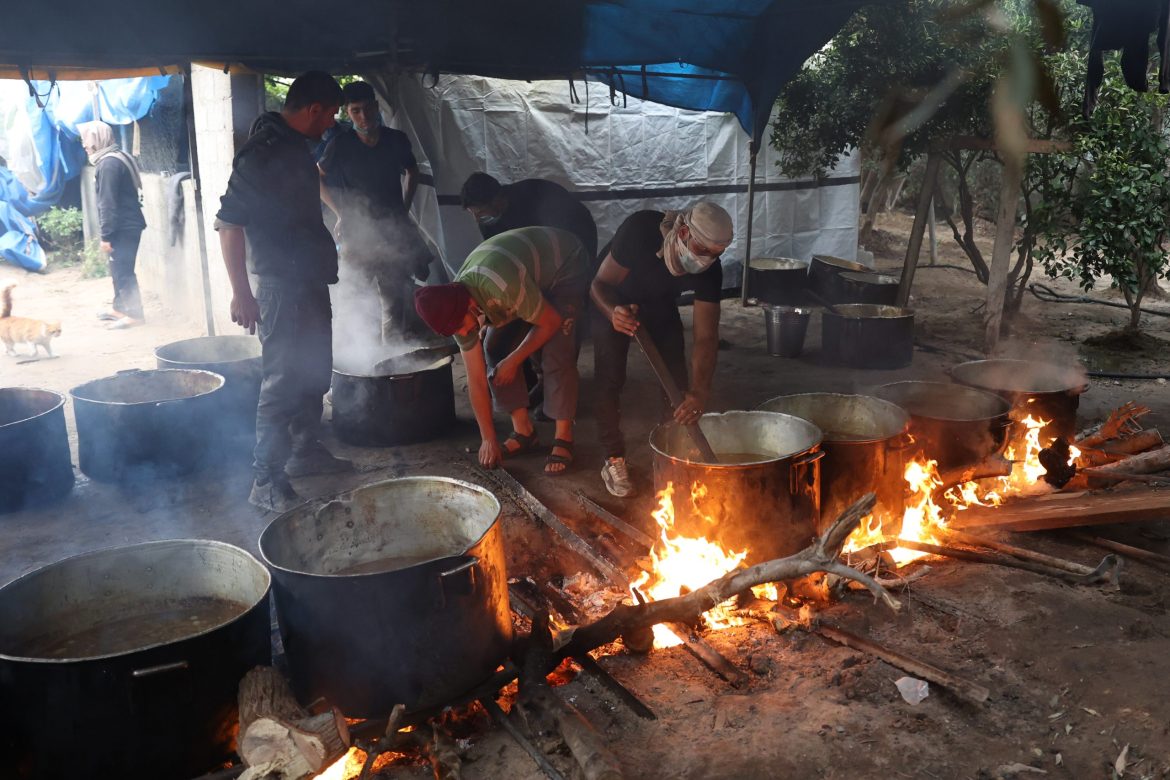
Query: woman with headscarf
point(653, 258)
point(120, 219)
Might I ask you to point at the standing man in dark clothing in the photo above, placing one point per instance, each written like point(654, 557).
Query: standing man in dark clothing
point(368, 177)
point(653, 258)
point(528, 203)
point(273, 198)
point(120, 219)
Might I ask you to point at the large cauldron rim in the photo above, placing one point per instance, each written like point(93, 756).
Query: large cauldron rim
point(996, 406)
point(209, 377)
point(439, 363)
point(778, 264)
point(316, 505)
point(812, 432)
point(58, 402)
point(827, 436)
point(1006, 375)
point(841, 263)
point(160, 543)
point(167, 352)
point(861, 311)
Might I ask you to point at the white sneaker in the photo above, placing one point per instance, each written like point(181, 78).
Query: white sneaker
point(616, 477)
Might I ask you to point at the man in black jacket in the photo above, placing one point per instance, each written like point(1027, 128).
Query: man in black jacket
point(273, 198)
point(119, 217)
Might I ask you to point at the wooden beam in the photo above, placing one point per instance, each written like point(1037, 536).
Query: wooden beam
point(914, 249)
point(1068, 510)
point(1001, 254)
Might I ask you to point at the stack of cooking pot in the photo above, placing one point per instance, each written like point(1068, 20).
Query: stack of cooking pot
point(395, 400)
point(35, 466)
point(779, 281)
point(763, 494)
point(859, 327)
point(126, 662)
point(865, 440)
point(1044, 391)
point(141, 425)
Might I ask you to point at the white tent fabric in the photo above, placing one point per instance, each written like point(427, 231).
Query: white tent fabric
point(618, 158)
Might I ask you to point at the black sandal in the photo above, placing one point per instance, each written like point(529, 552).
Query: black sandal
point(526, 442)
point(567, 460)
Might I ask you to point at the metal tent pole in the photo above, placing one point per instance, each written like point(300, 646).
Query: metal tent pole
point(747, 252)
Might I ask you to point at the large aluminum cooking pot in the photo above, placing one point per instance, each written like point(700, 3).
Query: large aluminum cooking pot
point(1043, 390)
point(35, 467)
point(777, 280)
point(237, 360)
point(824, 274)
point(864, 443)
point(145, 424)
point(863, 335)
point(126, 662)
point(878, 289)
point(391, 403)
point(952, 424)
point(764, 494)
point(394, 593)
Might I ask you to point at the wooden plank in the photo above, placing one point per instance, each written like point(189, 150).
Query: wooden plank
point(1068, 510)
point(595, 509)
point(914, 249)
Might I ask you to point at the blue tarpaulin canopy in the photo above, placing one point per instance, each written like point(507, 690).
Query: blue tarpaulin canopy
point(720, 55)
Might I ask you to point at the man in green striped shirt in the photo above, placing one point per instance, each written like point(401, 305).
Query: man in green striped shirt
point(528, 286)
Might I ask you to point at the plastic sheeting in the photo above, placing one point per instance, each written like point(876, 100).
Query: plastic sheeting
point(617, 158)
point(53, 115)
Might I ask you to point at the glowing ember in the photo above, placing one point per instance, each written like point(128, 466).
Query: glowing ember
point(681, 564)
point(350, 765)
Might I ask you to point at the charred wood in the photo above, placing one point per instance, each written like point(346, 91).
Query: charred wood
point(821, 556)
point(1107, 571)
point(1121, 421)
point(541, 760)
point(1157, 560)
point(991, 466)
point(1018, 552)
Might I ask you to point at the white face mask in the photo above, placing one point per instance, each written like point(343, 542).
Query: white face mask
point(690, 263)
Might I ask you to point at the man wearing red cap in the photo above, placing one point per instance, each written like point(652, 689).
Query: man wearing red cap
point(653, 258)
point(529, 285)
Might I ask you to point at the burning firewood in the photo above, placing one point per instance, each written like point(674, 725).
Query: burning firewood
point(1123, 420)
point(821, 556)
point(278, 737)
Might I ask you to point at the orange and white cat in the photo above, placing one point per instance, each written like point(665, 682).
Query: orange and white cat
point(22, 330)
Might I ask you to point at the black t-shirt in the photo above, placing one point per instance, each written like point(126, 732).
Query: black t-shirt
point(542, 203)
point(368, 178)
point(635, 247)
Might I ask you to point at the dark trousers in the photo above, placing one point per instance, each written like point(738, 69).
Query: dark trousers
point(610, 352)
point(558, 361)
point(296, 338)
point(127, 298)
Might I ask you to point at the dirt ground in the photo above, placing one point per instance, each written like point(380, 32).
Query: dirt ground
point(1077, 674)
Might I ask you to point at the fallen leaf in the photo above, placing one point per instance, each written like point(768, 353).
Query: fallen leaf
point(1094, 713)
point(1008, 770)
point(1059, 759)
point(1068, 728)
point(1119, 764)
point(1056, 715)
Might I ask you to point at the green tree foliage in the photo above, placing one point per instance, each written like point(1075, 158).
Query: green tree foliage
point(1103, 207)
point(901, 76)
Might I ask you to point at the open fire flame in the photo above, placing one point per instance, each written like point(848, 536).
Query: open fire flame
point(681, 564)
point(924, 519)
point(349, 766)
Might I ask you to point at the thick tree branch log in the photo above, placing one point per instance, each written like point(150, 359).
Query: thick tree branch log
point(991, 466)
point(820, 556)
point(1106, 571)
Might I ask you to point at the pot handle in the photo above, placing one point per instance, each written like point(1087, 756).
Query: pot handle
point(903, 441)
point(160, 669)
point(450, 583)
point(798, 465)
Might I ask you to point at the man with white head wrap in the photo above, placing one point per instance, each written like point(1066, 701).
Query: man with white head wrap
point(119, 218)
point(653, 258)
